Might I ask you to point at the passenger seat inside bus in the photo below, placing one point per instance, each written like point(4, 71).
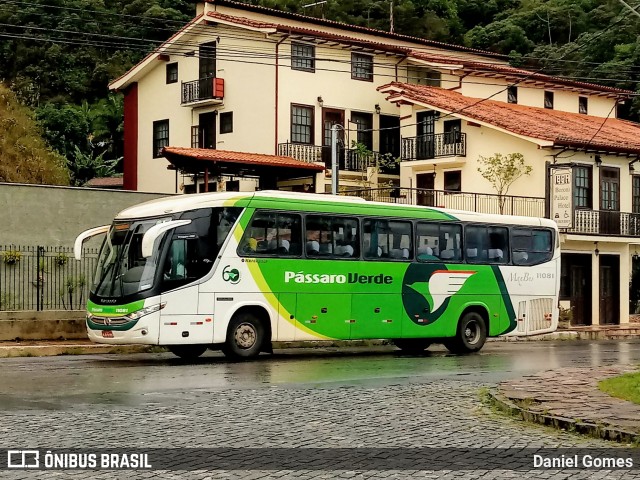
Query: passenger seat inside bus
point(313, 248)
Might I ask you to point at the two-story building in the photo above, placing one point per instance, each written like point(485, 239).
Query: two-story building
point(244, 97)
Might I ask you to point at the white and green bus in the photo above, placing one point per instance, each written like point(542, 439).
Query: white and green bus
point(237, 271)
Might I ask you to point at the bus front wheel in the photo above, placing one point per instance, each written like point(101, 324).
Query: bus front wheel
point(188, 352)
point(244, 337)
point(412, 345)
point(470, 335)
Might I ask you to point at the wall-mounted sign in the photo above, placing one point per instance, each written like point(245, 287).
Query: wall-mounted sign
point(562, 197)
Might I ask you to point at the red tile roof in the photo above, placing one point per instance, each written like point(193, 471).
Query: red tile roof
point(345, 26)
point(225, 156)
point(105, 182)
point(307, 31)
point(564, 129)
point(494, 69)
point(241, 20)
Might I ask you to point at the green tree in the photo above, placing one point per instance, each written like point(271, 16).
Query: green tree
point(24, 156)
point(502, 171)
point(85, 166)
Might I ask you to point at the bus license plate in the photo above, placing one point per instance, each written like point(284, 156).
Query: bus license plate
point(107, 334)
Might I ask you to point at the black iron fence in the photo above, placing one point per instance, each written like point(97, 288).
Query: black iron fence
point(473, 202)
point(425, 147)
point(44, 278)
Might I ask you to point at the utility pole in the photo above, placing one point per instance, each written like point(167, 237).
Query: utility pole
point(334, 159)
point(391, 16)
point(633, 9)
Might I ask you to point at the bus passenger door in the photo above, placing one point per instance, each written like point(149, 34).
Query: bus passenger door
point(375, 316)
point(321, 315)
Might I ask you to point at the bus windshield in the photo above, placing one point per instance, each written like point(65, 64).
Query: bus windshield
point(191, 252)
point(122, 270)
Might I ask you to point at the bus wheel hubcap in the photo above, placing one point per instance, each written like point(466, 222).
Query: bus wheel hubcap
point(471, 332)
point(245, 335)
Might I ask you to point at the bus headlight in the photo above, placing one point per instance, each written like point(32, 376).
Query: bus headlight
point(145, 311)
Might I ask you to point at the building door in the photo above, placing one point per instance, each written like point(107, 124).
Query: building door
point(207, 130)
point(609, 201)
point(425, 183)
point(425, 130)
point(331, 117)
point(575, 286)
point(609, 291)
point(206, 69)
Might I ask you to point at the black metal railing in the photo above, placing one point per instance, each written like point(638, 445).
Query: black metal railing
point(425, 147)
point(44, 278)
point(198, 90)
point(605, 222)
point(472, 202)
point(352, 160)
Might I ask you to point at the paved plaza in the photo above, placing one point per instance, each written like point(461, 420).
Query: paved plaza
point(325, 401)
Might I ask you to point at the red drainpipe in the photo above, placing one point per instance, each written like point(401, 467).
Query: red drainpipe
point(276, 109)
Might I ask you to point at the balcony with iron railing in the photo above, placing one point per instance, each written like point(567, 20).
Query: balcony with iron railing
point(427, 147)
point(472, 202)
point(605, 222)
point(586, 222)
point(350, 160)
point(204, 91)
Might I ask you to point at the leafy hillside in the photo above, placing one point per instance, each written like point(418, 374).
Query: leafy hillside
point(59, 55)
point(24, 156)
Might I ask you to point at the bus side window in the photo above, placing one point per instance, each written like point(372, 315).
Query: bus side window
point(390, 239)
point(531, 246)
point(437, 241)
point(335, 237)
point(498, 247)
point(273, 234)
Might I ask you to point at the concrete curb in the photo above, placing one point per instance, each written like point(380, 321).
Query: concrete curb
point(603, 431)
point(13, 351)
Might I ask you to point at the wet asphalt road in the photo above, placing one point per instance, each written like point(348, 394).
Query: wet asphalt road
point(75, 381)
point(322, 398)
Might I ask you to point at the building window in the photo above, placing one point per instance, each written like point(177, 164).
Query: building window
point(301, 124)
point(452, 129)
point(635, 192)
point(548, 99)
point(583, 105)
point(172, 72)
point(582, 187)
point(512, 94)
point(226, 122)
point(418, 75)
point(453, 181)
point(362, 67)
point(303, 57)
point(160, 137)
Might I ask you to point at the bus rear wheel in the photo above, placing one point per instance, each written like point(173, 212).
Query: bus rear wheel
point(412, 345)
point(470, 335)
point(245, 337)
point(188, 352)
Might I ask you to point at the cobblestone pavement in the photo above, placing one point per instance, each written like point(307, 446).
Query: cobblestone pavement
point(390, 412)
point(571, 395)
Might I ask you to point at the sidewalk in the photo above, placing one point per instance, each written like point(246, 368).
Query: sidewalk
point(46, 348)
point(569, 399)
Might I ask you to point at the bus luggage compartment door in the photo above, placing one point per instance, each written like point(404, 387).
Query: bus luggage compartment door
point(375, 316)
point(325, 314)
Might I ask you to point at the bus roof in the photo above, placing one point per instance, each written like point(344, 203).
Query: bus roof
point(316, 203)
